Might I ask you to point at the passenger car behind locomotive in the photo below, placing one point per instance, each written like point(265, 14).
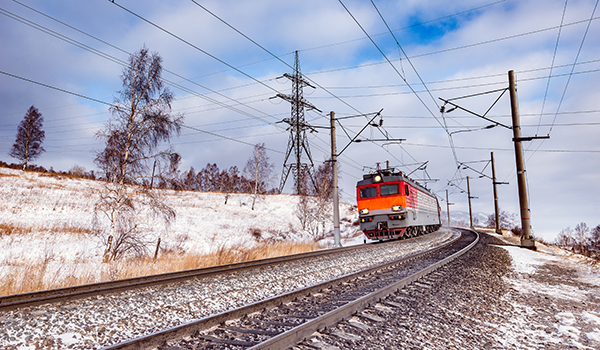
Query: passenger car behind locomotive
point(391, 205)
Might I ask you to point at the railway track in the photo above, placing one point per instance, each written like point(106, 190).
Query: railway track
point(16, 301)
point(283, 321)
point(11, 302)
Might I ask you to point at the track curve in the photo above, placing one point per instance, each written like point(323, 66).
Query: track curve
point(246, 327)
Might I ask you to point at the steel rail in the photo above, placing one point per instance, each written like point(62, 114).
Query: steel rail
point(15, 301)
point(298, 334)
point(186, 330)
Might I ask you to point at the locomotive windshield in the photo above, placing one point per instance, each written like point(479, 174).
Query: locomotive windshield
point(389, 190)
point(368, 192)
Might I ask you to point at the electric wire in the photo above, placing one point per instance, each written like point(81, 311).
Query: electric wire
point(109, 104)
point(573, 67)
point(194, 46)
point(388, 61)
point(458, 47)
point(279, 59)
point(405, 55)
point(104, 55)
point(552, 65)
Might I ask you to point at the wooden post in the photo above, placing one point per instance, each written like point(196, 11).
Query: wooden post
point(157, 247)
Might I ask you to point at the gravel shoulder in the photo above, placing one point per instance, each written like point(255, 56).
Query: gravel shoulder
point(95, 322)
point(485, 300)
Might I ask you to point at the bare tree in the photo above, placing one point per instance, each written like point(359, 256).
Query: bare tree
point(142, 119)
point(258, 171)
point(581, 235)
point(595, 240)
point(28, 144)
point(565, 238)
point(507, 220)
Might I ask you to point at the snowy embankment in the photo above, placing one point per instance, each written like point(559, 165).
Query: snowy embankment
point(557, 283)
point(51, 218)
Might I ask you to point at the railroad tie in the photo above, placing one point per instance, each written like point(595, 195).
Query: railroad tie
point(253, 331)
point(228, 342)
point(393, 304)
point(359, 325)
point(316, 344)
point(346, 336)
point(372, 317)
point(283, 324)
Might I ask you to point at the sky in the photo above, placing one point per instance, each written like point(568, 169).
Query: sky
point(224, 83)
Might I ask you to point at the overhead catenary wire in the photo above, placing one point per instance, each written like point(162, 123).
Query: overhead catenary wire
point(575, 62)
point(388, 61)
point(459, 47)
point(282, 61)
point(552, 65)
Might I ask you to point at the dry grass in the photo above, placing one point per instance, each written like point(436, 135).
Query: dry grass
point(78, 231)
point(37, 276)
point(7, 229)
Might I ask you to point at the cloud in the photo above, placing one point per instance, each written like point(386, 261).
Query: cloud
point(451, 56)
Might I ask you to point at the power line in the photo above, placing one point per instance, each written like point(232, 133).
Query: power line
point(573, 67)
point(285, 63)
point(457, 47)
point(118, 61)
point(502, 149)
point(108, 104)
point(194, 46)
point(55, 88)
point(390, 63)
point(405, 55)
point(552, 64)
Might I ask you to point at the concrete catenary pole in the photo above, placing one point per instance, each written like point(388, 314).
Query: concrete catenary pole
point(336, 201)
point(495, 196)
point(448, 208)
point(526, 239)
point(469, 194)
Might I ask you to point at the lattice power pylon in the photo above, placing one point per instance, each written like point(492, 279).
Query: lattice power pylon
point(298, 142)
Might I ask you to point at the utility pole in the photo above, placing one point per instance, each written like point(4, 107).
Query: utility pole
point(469, 194)
point(526, 240)
point(448, 204)
point(334, 155)
point(498, 230)
point(495, 196)
point(336, 200)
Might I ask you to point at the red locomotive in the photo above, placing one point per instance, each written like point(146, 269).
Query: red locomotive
point(391, 205)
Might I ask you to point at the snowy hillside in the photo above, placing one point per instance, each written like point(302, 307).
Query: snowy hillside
point(52, 218)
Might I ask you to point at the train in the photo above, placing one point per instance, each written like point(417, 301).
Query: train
point(393, 206)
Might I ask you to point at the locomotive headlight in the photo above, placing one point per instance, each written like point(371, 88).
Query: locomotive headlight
point(364, 211)
point(397, 208)
point(377, 178)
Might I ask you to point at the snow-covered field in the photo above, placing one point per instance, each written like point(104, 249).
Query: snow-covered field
point(556, 283)
point(49, 218)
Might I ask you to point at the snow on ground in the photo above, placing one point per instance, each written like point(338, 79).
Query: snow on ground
point(51, 218)
point(568, 285)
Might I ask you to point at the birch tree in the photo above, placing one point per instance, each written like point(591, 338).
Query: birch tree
point(258, 172)
point(141, 121)
point(28, 144)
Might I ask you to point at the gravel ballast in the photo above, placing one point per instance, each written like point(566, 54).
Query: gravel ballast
point(478, 302)
point(95, 322)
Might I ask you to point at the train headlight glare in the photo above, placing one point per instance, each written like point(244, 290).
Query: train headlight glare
point(397, 208)
point(377, 178)
point(364, 211)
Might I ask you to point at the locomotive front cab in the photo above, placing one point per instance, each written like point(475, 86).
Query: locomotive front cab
point(381, 200)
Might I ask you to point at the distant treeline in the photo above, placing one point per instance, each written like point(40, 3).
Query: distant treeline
point(208, 179)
